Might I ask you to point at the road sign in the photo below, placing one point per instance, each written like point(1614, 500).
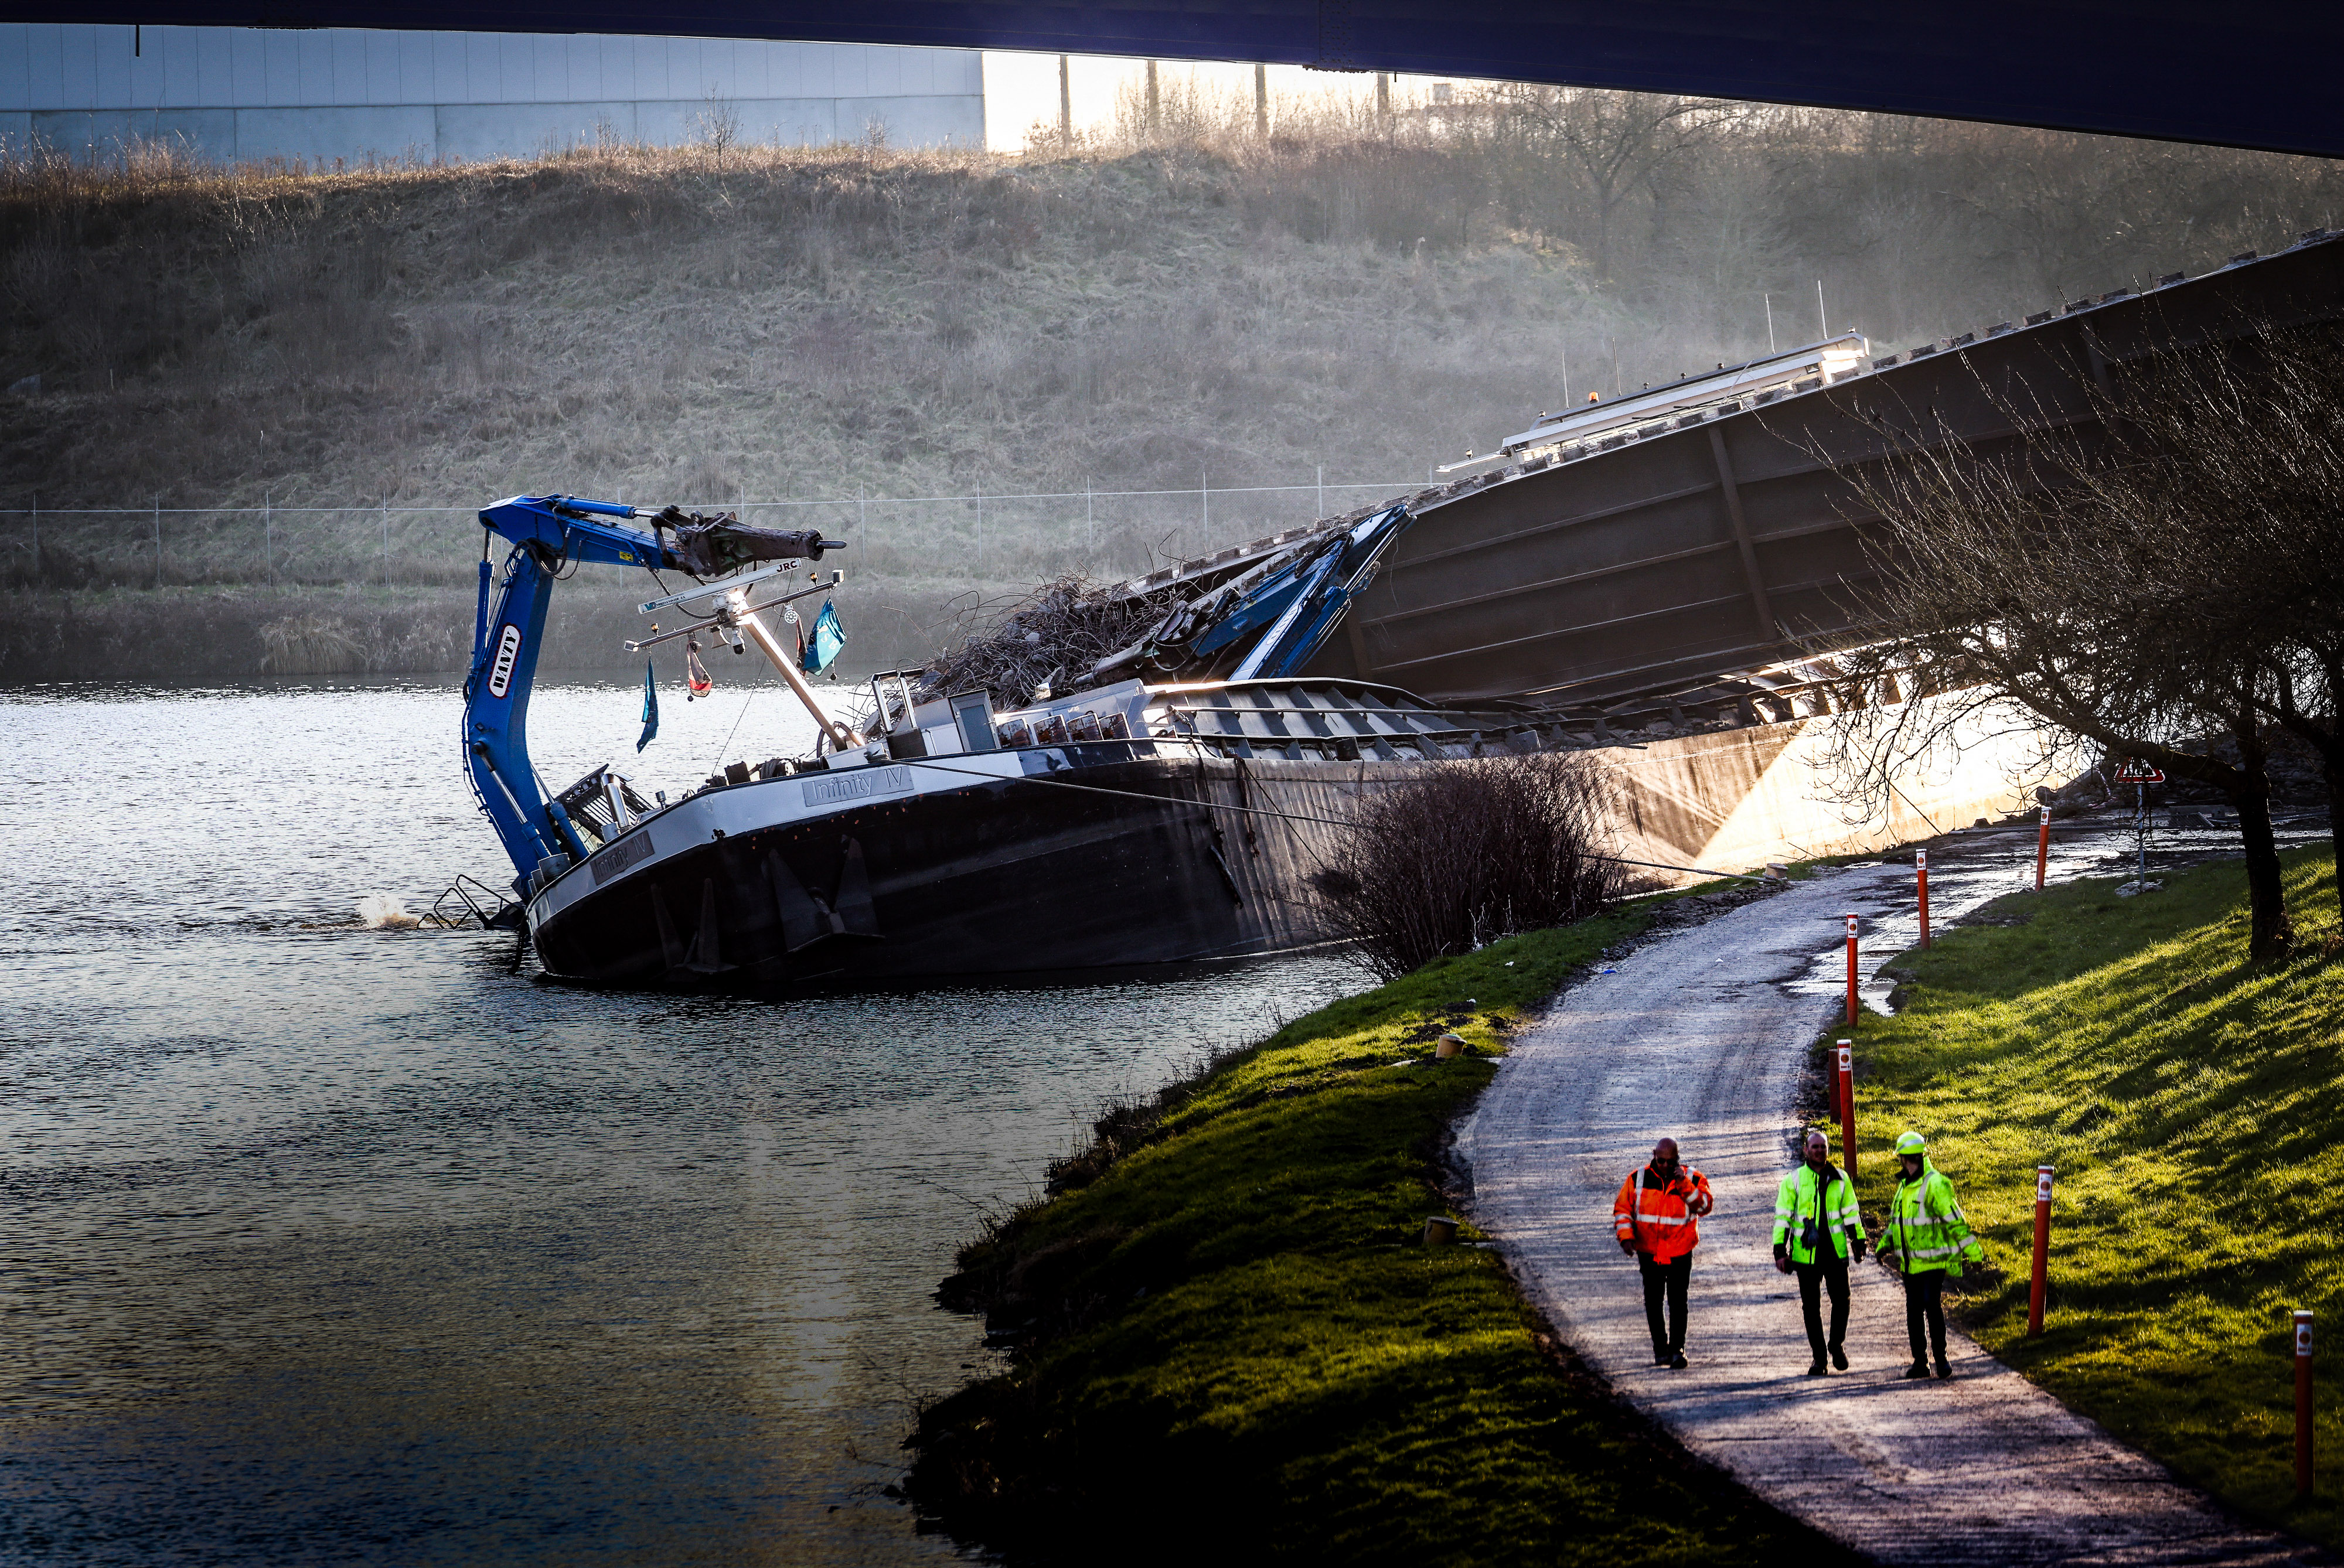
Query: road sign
point(2133, 771)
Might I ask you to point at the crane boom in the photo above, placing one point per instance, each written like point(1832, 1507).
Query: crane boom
point(550, 535)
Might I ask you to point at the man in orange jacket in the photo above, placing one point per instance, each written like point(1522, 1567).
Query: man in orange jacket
point(1654, 1215)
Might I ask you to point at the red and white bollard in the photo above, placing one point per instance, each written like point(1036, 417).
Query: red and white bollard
point(1850, 971)
point(1920, 869)
point(1847, 1104)
point(2302, 1405)
point(2041, 1285)
point(2042, 847)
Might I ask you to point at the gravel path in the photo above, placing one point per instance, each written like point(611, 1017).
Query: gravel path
point(1701, 1035)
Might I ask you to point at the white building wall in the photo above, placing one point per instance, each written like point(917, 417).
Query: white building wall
point(240, 93)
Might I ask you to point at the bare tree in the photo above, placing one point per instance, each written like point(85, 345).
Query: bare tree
point(1615, 142)
point(2234, 462)
point(718, 120)
point(2165, 570)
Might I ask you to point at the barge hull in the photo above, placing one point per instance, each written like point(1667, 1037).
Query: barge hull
point(1155, 860)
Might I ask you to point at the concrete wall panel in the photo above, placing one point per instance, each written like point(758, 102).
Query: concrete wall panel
point(207, 133)
point(473, 131)
point(530, 92)
point(16, 67)
point(322, 135)
point(215, 69)
point(915, 121)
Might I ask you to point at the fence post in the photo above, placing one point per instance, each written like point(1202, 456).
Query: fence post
point(2040, 1287)
point(1850, 971)
point(1847, 1104)
point(2042, 847)
point(2302, 1405)
point(1920, 869)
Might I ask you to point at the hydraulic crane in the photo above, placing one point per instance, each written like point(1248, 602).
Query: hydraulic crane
point(550, 535)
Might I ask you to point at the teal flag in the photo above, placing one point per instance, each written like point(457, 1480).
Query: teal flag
point(651, 707)
point(824, 641)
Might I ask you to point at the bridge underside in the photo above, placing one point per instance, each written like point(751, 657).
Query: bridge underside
point(2255, 74)
point(1701, 559)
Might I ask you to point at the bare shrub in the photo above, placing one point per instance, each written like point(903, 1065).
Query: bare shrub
point(1471, 852)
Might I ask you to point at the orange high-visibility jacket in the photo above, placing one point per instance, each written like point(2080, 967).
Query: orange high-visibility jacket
point(1658, 1217)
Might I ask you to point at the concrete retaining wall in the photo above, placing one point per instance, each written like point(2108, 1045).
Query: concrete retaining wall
point(246, 94)
point(1734, 800)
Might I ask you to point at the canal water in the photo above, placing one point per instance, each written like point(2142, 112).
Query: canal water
point(337, 1244)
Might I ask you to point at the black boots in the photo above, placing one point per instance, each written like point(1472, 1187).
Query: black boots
point(1917, 1370)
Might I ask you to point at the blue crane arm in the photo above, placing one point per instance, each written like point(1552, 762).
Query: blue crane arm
point(548, 533)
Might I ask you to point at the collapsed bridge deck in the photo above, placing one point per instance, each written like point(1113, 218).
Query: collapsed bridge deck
point(1712, 549)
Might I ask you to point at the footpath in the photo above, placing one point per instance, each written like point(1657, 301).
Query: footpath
point(1700, 1036)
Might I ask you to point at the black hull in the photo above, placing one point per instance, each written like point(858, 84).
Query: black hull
point(1014, 877)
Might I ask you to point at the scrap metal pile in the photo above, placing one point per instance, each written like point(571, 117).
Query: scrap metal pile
point(1261, 608)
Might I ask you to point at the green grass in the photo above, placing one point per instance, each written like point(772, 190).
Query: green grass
point(1239, 1342)
point(2190, 1102)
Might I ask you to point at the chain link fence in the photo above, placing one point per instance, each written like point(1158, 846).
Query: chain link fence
point(986, 538)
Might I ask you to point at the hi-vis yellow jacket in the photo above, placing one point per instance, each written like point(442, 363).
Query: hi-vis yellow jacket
point(1927, 1229)
point(1803, 1215)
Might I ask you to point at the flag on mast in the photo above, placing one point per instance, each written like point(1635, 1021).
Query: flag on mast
point(651, 707)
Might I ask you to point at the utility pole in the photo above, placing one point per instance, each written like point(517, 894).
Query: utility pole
point(1065, 108)
point(1260, 102)
point(1820, 317)
point(1153, 102)
point(1383, 95)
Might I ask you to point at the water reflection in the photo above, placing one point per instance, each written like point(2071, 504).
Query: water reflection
point(341, 1245)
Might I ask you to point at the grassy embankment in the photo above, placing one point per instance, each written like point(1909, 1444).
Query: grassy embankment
point(2190, 1103)
point(1235, 1339)
point(288, 376)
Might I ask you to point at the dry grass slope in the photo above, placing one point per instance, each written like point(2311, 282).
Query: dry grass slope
point(1187, 304)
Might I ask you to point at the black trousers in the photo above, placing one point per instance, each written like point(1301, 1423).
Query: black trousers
point(1813, 1277)
point(1668, 1279)
point(1924, 1301)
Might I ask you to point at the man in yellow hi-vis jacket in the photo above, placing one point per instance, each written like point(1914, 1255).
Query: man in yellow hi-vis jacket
point(1817, 1228)
point(1926, 1242)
